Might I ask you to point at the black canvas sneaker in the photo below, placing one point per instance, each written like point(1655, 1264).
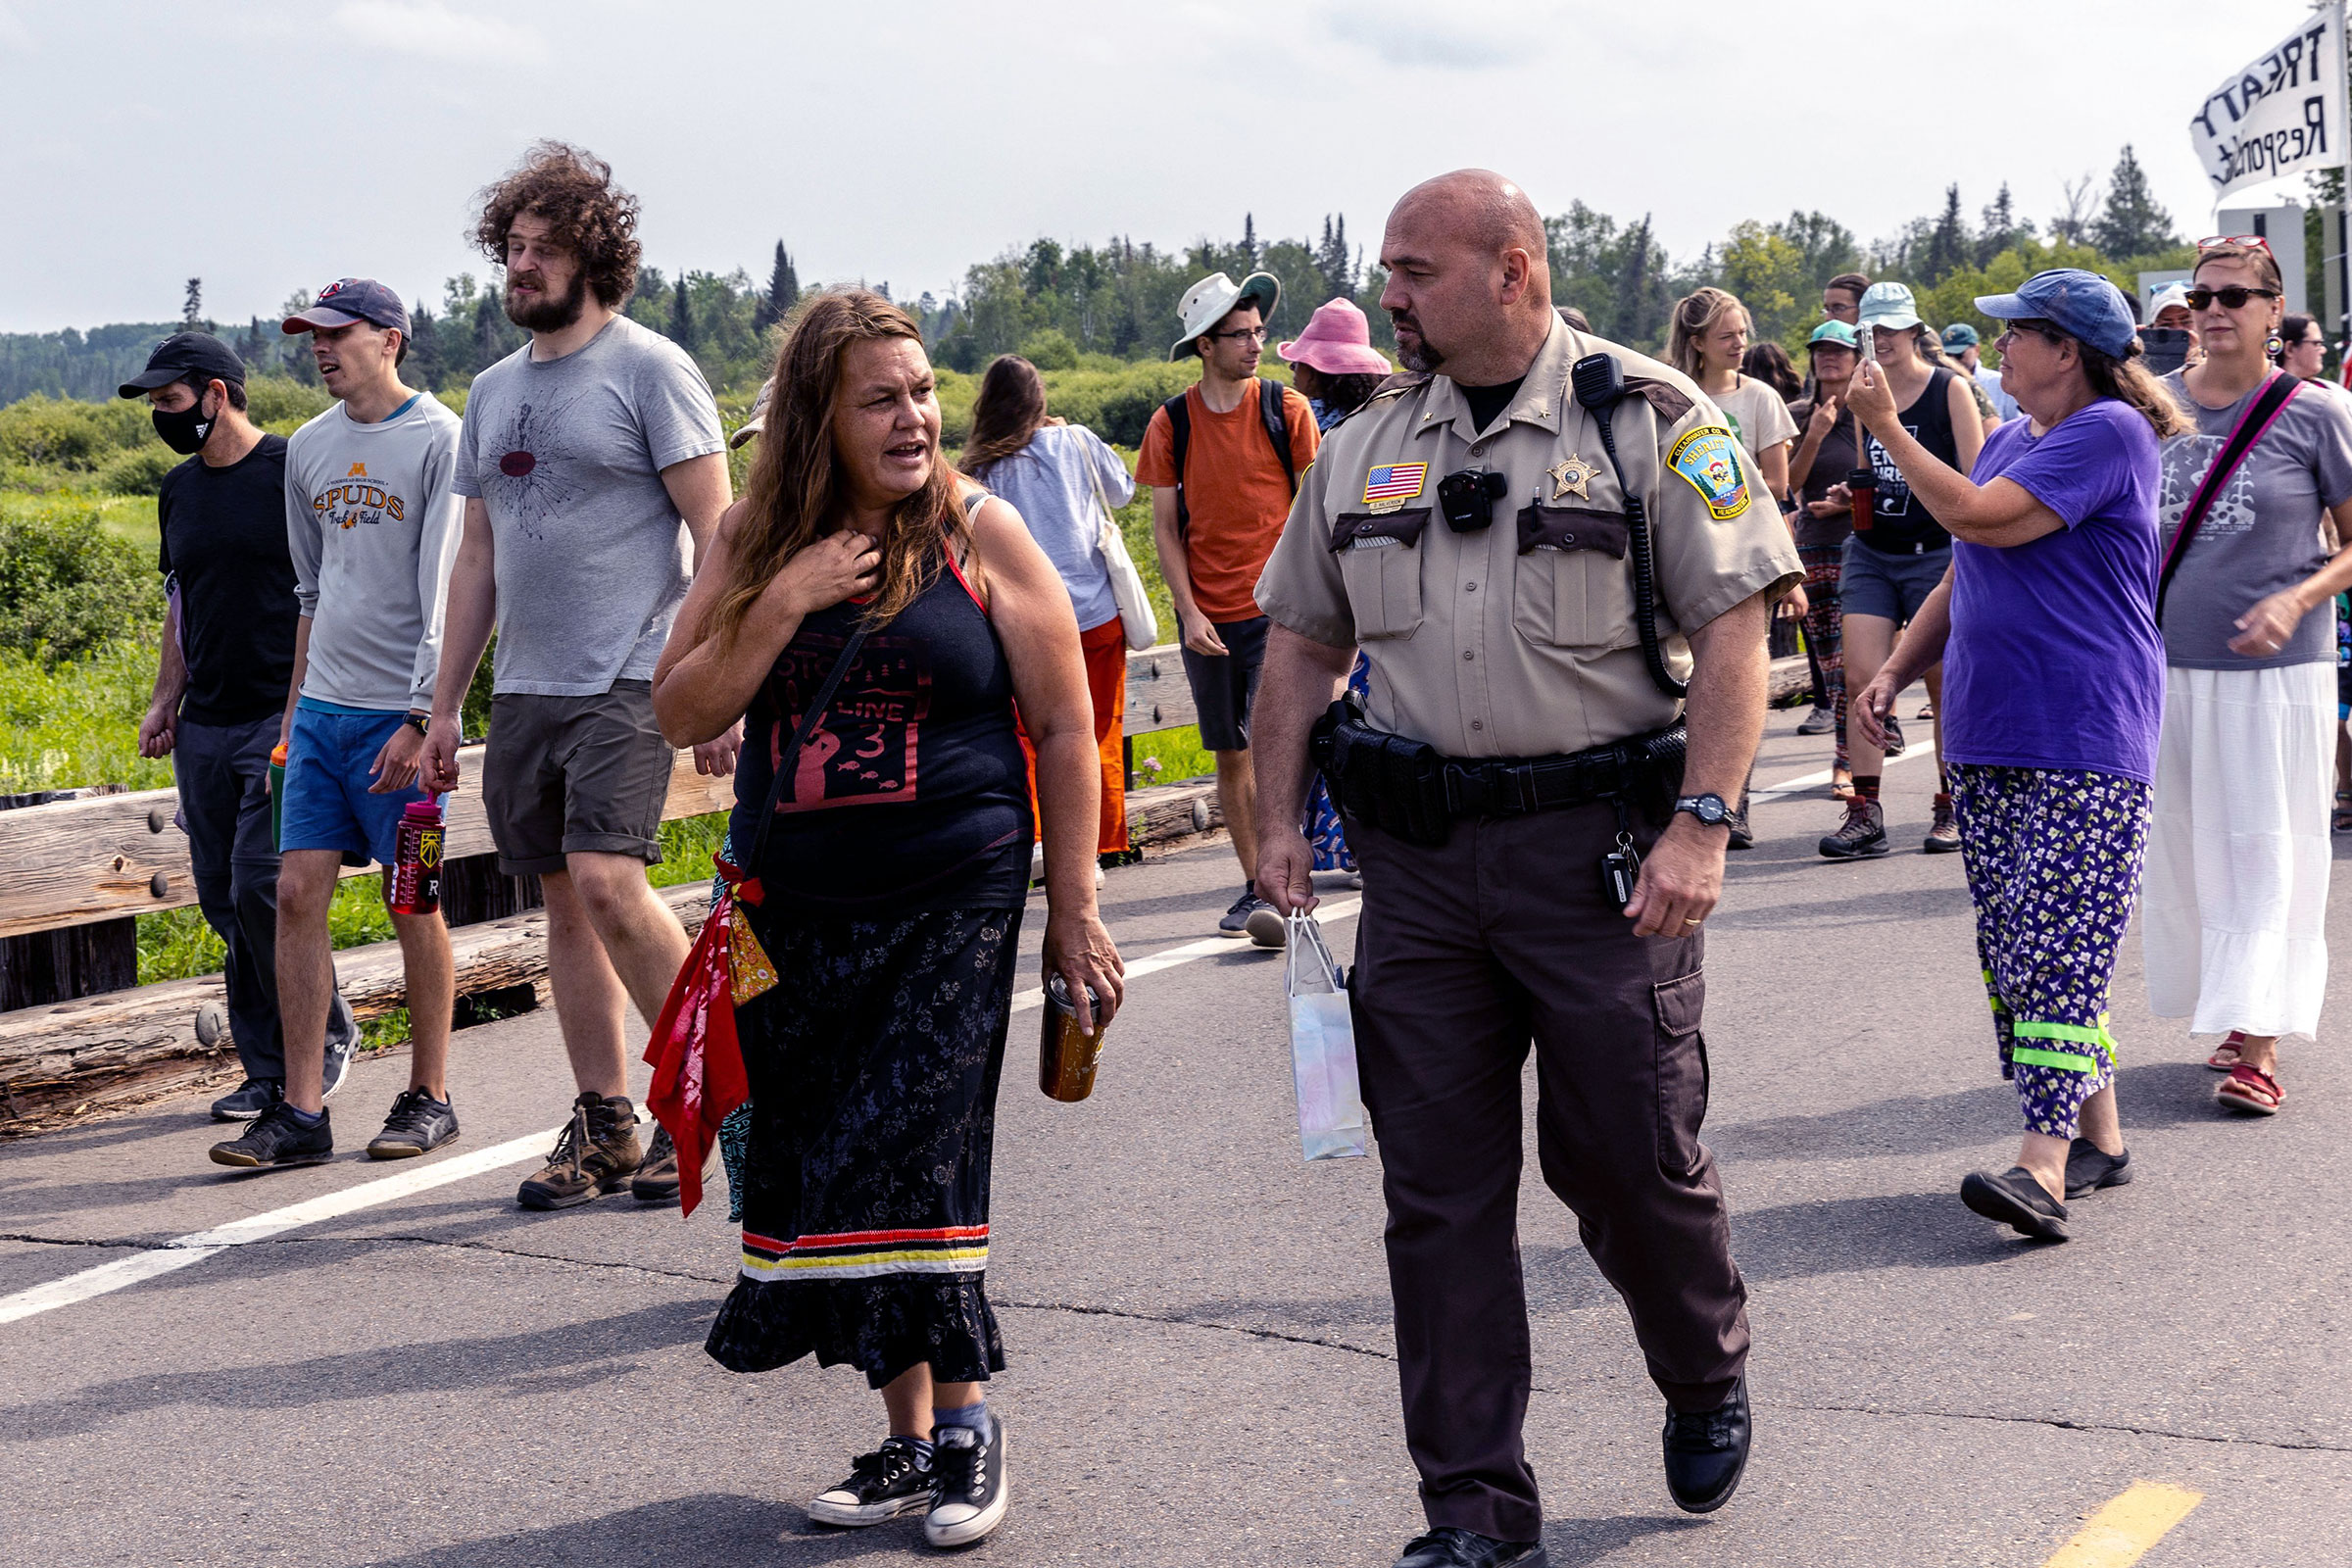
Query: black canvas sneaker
point(883, 1485)
point(972, 1493)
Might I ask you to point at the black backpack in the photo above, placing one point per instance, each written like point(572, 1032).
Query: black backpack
point(1179, 430)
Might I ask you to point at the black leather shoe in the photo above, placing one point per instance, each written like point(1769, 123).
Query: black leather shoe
point(1706, 1452)
point(2015, 1198)
point(1451, 1547)
point(2088, 1167)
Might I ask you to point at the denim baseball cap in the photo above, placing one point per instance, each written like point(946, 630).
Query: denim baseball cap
point(1835, 334)
point(352, 299)
point(2083, 305)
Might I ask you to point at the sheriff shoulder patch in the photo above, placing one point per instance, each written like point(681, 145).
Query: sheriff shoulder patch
point(1708, 460)
point(1390, 485)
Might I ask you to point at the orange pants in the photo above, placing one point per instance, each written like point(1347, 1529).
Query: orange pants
point(1105, 648)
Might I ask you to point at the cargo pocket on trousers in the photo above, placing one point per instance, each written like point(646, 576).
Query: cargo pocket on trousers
point(1681, 1070)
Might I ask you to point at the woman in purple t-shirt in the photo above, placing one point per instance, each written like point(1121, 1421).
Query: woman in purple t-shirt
point(2053, 692)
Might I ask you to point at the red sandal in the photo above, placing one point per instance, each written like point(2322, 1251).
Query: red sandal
point(2224, 1056)
point(2250, 1089)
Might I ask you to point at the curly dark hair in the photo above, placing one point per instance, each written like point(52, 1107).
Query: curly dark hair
point(572, 189)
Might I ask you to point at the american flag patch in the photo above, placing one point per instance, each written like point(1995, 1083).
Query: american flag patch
point(1395, 481)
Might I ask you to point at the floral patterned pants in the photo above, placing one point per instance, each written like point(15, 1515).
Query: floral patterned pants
point(2053, 859)
point(1825, 630)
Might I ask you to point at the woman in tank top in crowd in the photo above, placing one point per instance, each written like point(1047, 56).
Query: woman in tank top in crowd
point(1825, 455)
point(1889, 568)
point(2234, 923)
point(893, 876)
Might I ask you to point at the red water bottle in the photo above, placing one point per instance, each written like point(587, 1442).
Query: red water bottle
point(417, 859)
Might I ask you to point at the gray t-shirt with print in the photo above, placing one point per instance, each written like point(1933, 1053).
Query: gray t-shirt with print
point(2262, 532)
point(591, 554)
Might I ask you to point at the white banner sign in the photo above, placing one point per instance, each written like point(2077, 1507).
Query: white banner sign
point(2284, 114)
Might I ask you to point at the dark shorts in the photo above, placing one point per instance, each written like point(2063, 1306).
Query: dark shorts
point(1224, 688)
point(565, 775)
point(1871, 582)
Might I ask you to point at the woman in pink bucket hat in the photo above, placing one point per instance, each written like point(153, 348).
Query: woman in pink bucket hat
point(1333, 363)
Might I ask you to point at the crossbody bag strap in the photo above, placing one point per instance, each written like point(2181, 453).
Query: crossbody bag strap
point(2251, 427)
point(749, 891)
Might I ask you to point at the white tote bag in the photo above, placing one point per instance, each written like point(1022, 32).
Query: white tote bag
point(1126, 583)
point(1332, 1124)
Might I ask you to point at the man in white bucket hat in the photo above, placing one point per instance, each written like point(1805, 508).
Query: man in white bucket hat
point(1223, 461)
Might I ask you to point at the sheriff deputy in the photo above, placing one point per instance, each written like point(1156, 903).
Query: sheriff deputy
point(1538, 538)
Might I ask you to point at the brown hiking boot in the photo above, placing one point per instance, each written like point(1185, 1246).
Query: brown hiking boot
point(1945, 837)
point(596, 1154)
point(1862, 835)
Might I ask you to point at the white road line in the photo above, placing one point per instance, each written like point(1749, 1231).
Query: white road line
point(1922, 745)
point(184, 1251)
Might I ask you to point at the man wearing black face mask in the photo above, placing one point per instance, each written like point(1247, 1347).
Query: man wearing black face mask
point(220, 685)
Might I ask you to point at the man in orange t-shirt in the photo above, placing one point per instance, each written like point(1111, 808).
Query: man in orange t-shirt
point(1216, 523)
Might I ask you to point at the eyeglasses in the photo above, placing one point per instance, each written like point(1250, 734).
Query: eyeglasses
point(1238, 335)
point(2234, 242)
point(2232, 298)
point(2041, 329)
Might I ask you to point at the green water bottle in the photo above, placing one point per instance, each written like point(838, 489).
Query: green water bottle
point(278, 791)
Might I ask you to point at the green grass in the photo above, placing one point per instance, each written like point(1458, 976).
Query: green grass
point(78, 723)
point(1177, 753)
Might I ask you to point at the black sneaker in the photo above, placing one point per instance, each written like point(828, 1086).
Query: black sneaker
point(2015, 1198)
point(1820, 721)
point(1861, 836)
point(1237, 919)
point(275, 1138)
point(418, 1124)
point(2089, 1168)
point(1451, 1547)
point(249, 1099)
point(1706, 1452)
point(972, 1491)
point(596, 1154)
point(656, 1180)
point(1943, 835)
point(892, 1481)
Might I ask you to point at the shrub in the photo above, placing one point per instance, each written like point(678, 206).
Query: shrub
point(68, 586)
point(65, 434)
point(62, 726)
point(137, 473)
point(1050, 350)
point(280, 403)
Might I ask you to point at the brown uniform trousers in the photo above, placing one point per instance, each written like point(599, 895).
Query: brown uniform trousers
point(1463, 953)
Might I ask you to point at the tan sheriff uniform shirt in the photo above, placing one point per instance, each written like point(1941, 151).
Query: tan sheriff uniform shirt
point(1520, 640)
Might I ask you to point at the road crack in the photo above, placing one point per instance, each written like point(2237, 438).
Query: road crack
point(1173, 1321)
point(75, 1241)
point(2064, 1425)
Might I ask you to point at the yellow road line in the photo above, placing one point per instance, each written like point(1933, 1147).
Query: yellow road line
point(2121, 1533)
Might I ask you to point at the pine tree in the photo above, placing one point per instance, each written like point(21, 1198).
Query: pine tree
point(783, 293)
point(1947, 243)
point(2131, 223)
point(1333, 260)
point(681, 317)
point(2001, 229)
point(1249, 240)
point(191, 309)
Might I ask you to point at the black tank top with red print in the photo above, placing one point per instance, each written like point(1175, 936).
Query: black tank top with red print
point(912, 792)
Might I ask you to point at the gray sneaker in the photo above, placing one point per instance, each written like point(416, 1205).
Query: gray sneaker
point(1820, 721)
point(249, 1099)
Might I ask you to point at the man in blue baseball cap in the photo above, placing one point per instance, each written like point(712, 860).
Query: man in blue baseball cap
point(1962, 346)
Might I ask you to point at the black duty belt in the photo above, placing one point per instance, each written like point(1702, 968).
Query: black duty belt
point(1407, 788)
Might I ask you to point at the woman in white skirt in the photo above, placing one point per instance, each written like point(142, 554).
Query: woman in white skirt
point(2235, 907)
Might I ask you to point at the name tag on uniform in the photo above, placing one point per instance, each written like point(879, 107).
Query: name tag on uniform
point(1372, 541)
point(1708, 460)
point(1390, 485)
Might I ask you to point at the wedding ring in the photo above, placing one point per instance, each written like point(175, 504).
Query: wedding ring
point(1694, 923)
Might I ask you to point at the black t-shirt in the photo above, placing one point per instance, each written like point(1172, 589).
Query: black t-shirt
point(1832, 464)
point(225, 538)
point(1486, 401)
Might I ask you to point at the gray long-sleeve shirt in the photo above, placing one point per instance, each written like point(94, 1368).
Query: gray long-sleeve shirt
point(373, 527)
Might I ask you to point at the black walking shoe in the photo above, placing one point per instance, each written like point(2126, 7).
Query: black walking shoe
point(1451, 1547)
point(418, 1124)
point(656, 1180)
point(971, 1492)
point(1237, 919)
point(2014, 1197)
point(595, 1155)
point(249, 1099)
point(275, 1138)
point(1861, 836)
point(337, 1068)
point(892, 1481)
point(2089, 1168)
point(1706, 1452)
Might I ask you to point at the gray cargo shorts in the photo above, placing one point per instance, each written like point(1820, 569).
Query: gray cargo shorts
point(564, 775)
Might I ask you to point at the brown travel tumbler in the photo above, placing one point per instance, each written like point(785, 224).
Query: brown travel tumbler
point(1864, 485)
point(1066, 1058)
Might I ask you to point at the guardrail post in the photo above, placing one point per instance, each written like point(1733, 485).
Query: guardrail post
point(79, 961)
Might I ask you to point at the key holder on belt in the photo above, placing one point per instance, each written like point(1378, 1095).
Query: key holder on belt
point(1599, 383)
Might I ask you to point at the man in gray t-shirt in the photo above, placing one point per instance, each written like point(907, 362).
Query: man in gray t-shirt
point(588, 457)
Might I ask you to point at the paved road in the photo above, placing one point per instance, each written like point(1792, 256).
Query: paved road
point(1197, 1322)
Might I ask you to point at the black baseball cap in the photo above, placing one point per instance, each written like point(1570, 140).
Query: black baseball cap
point(197, 356)
point(352, 299)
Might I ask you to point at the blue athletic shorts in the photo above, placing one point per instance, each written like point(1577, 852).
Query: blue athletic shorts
point(327, 805)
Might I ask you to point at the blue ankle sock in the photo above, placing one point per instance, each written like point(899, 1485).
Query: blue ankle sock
point(973, 1415)
point(307, 1118)
point(921, 1446)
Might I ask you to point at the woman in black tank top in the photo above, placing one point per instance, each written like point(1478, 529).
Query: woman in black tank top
point(1888, 570)
point(891, 877)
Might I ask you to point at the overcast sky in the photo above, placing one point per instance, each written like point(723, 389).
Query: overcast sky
point(266, 145)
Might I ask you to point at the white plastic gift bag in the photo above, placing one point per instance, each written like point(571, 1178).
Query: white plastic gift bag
point(1332, 1124)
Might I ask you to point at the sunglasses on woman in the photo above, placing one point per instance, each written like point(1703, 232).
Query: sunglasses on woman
point(2232, 298)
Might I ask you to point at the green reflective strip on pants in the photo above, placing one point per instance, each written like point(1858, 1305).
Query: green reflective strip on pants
point(2065, 1060)
point(2062, 1031)
point(2101, 1042)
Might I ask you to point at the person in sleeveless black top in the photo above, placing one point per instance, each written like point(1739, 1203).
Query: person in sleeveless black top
point(1890, 567)
point(892, 874)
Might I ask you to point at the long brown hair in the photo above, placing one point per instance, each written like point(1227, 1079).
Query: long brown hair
point(1694, 314)
point(2124, 379)
point(797, 486)
point(1009, 411)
